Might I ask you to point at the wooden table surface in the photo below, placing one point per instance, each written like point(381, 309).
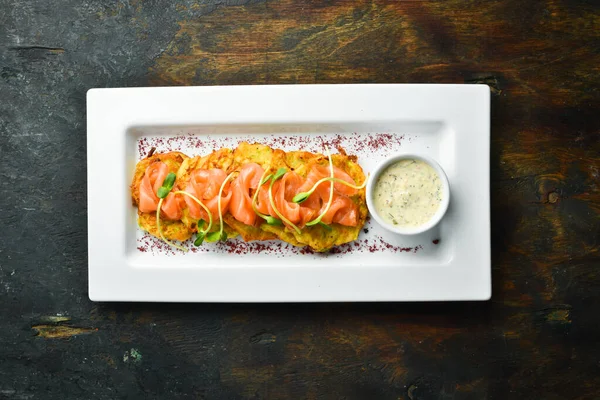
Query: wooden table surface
point(538, 338)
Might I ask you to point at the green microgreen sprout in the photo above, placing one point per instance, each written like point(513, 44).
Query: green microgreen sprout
point(264, 178)
point(220, 234)
point(167, 185)
point(320, 217)
point(325, 226)
point(201, 233)
point(269, 219)
point(280, 173)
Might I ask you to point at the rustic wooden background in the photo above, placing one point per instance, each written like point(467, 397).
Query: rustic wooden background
point(538, 338)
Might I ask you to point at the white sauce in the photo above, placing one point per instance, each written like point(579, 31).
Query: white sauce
point(407, 193)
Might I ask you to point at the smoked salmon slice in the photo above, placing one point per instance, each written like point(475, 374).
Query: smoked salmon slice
point(263, 205)
point(289, 185)
point(343, 211)
point(205, 185)
point(152, 181)
point(242, 189)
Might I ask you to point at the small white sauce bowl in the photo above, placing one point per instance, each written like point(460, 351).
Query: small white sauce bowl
point(437, 217)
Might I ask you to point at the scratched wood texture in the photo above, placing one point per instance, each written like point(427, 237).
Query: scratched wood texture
point(537, 338)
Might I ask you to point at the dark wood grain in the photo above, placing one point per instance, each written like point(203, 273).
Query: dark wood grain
point(536, 338)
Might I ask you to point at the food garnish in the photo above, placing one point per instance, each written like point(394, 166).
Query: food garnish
point(201, 233)
point(320, 217)
point(220, 234)
point(269, 219)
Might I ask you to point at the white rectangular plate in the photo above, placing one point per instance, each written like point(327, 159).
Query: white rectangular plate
point(450, 123)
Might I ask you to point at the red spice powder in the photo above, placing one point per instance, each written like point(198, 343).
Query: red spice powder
point(148, 243)
point(354, 143)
